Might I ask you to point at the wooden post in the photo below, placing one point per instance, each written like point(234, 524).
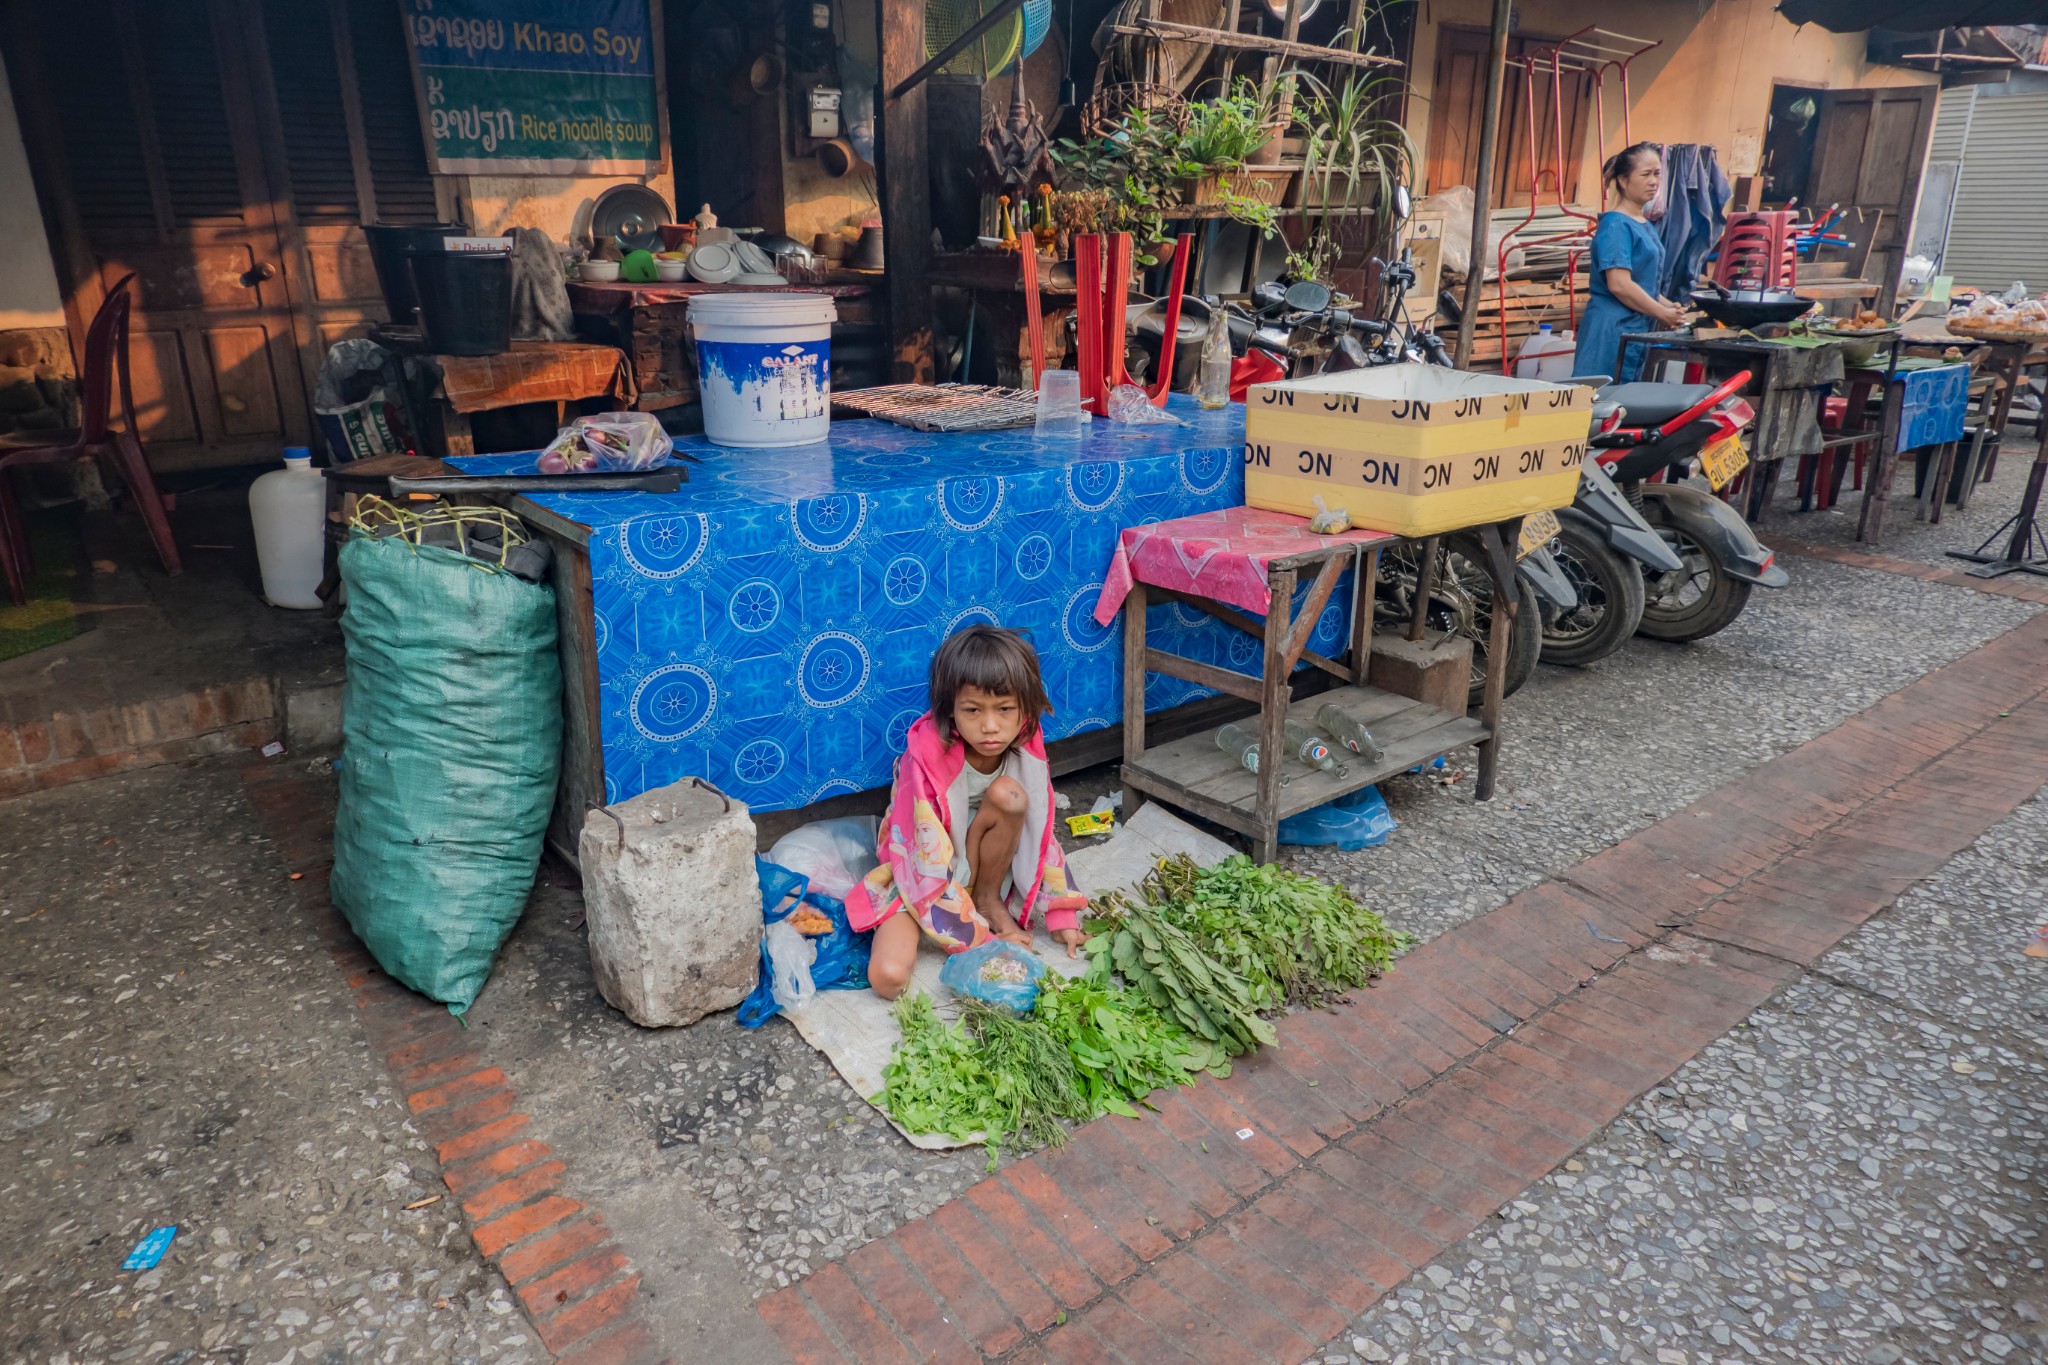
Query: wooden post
point(1274, 694)
point(1365, 585)
point(1425, 583)
point(1500, 630)
point(1134, 690)
point(905, 186)
point(1482, 191)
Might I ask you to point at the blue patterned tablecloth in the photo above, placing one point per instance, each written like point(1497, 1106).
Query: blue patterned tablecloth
point(1933, 404)
point(770, 627)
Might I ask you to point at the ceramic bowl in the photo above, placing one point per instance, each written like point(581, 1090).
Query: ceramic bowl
point(714, 263)
point(600, 272)
point(672, 272)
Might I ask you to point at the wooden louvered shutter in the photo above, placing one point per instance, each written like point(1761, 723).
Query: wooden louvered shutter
point(139, 122)
point(351, 152)
point(392, 141)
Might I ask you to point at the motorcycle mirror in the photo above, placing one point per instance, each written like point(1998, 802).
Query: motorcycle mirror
point(1402, 204)
point(1307, 296)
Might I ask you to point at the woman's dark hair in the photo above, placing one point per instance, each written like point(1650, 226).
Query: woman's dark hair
point(1623, 163)
point(995, 660)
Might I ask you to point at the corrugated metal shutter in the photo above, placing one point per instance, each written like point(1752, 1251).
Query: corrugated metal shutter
point(1951, 123)
point(1995, 235)
point(1944, 165)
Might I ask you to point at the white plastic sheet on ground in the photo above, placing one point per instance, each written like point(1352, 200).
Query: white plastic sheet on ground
point(856, 1030)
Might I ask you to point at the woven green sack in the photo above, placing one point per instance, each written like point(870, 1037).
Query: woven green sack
point(450, 747)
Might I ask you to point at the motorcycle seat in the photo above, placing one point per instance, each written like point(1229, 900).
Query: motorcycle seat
point(1652, 405)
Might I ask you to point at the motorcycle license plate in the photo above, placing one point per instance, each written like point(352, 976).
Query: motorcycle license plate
point(1538, 530)
point(1723, 460)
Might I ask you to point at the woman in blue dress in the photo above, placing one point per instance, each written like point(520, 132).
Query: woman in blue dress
point(1628, 263)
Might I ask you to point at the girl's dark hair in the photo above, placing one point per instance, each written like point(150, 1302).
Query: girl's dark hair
point(1623, 163)
point(994, 660)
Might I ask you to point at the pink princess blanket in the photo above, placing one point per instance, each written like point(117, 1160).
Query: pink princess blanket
point(916, 850)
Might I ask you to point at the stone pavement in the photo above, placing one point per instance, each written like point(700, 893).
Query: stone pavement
point(1631, 1111)
point(181, 1051)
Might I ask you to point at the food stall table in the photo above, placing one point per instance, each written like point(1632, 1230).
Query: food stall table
point(1925, 403)
point(770, 626)
point(1788, 379)
point(649, 323)
point(1241, 560)
point(554, 372)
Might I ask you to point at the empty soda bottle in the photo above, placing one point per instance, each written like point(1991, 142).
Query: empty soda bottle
point(1236, 740)
point(1348, 732)
point(1308, 746)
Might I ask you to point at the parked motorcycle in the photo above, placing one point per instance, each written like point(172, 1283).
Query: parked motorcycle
point(1644, 428)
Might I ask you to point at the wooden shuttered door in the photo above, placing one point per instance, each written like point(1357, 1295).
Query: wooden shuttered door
point(1869, 154)
point(227, 154)
point(350, 152)
point(139, 120)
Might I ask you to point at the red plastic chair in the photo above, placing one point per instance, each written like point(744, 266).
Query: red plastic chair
point(118, 450)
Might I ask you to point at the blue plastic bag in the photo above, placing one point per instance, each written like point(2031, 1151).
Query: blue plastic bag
point(962, 975)
point(1360, 820)
point(842, 961)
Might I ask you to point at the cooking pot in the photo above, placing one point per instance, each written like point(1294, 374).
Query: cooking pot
point(1749, 307)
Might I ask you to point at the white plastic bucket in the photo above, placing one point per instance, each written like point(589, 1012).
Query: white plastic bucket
point(764, 367)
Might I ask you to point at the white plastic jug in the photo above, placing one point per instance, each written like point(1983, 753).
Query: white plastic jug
point(1547, 355)
point(289, 507)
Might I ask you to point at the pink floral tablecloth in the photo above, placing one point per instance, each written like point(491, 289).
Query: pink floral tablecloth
point(1218, 555)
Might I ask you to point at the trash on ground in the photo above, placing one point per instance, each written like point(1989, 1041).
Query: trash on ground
point(150, 1249)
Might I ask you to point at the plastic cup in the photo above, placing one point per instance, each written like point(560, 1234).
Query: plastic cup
point(1059, 404)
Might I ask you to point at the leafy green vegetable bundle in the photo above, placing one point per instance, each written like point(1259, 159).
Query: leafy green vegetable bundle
point(1087, 1049)
point(1294, 940)
point(1177, 982)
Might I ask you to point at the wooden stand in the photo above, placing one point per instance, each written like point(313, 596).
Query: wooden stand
point(1195, 775)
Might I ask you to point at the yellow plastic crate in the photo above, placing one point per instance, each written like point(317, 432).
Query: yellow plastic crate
point(1415, 449)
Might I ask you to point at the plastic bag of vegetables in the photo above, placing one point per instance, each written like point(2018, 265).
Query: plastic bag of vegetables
point(998, 972)
point(607, 441)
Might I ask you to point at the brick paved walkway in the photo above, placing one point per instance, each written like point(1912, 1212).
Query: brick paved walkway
point(2026, 587)
point(1252, 1219)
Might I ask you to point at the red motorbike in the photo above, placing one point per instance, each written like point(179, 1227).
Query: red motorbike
point(1640, 432)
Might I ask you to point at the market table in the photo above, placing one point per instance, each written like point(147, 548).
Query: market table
point(1241, 563)
point(770, 626)
point(532, 371)
point(1924, 404)
point(1787, 378)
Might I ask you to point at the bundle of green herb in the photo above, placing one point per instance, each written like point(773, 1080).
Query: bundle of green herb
point(1293, 939)
point(1163, 962)
point(1033, 1081)
point(1122, 1047)
point(937, 1080)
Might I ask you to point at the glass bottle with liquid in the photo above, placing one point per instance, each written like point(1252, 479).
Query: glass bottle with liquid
point(1308, 746)
point(1212, 379)
point(1348, 732)
point(1236, 740)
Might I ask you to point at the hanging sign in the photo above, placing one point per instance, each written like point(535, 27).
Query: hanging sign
point(538, 87)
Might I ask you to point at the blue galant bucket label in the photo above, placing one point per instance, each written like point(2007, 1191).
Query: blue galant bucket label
point(788, 381)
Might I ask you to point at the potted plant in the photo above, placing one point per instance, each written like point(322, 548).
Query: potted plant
point(1223, 137)
point(1149, 165)
point(1352, 152)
